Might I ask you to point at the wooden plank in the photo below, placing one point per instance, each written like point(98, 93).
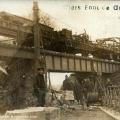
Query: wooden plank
point(71, 64)
point(95, 66)
point(103, 67)
point(83, 65)
point(64, 63)
point(77, 64)
point(88, 65)
point(57, 63)
point(49, 62)
point(114, 68)
point(107, 68)
point(99, 67)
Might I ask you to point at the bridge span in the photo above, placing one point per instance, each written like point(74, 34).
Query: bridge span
point(61, 62)
point(71, 63)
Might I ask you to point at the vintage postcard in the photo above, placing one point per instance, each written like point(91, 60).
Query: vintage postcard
point(59, 60)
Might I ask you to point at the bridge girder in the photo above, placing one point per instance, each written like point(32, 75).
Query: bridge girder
point(62, 62)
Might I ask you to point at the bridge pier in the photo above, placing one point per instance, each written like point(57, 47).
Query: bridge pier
point(16, 87)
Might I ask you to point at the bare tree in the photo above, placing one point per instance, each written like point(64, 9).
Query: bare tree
point(47, 20)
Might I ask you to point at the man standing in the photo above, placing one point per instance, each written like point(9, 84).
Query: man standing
point(40, 87)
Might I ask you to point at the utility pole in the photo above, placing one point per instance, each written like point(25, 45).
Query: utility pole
point(37, 36)
point(39, 59)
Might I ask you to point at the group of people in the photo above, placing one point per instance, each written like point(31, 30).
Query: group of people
point(80, 88)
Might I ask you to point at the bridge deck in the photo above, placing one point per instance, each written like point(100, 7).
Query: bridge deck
point(73, 63)
point(62, 62)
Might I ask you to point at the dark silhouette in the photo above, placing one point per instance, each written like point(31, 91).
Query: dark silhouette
point(40, 87)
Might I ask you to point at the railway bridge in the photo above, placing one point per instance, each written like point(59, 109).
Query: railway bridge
point(27, 53)
point(61, 62)
point(55, 61)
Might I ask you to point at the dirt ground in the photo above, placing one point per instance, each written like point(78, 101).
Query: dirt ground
point(94, 114)
point(79, 114)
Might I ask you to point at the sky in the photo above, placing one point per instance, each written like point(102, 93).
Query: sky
point(97, 23)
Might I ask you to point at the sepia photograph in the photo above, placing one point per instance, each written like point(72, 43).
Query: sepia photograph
point(59, 60)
